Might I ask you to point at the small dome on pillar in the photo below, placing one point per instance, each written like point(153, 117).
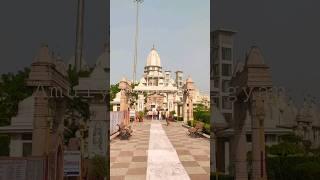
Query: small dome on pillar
point(43, 54)
point(189, 80)
point(254, 56)
point(189, 83)
point(123, 84)
point(123, 79)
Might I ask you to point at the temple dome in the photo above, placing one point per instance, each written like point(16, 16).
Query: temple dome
point(102, 60)
point(61, 66)
point(153, 58)
point(254, 56)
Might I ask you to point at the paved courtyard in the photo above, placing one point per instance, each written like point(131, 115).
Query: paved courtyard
point(156, 151)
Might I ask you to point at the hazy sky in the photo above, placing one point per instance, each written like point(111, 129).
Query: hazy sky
point(178, 28)
point(26, 24)
point(287, 31)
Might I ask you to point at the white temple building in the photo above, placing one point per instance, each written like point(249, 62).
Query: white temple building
point(159, 89)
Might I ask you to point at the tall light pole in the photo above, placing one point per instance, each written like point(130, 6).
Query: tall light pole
point(79, 36)
point(135, 58)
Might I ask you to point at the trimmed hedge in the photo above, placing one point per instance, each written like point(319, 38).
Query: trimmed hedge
point(293, 168)
point(221, 177)
point(4, 145)
point(179, 118)
point(202, 113)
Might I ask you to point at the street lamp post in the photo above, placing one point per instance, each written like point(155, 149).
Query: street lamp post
point(79, 36)
point(135, 58)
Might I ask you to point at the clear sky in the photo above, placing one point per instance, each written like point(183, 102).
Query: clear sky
point(287, 33)
point(180, 30)
point(27, 24)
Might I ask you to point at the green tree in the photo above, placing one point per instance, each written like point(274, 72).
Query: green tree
point(133, 96)
point(290, 144)
point(308, 170)
point(292, 159)
point(13, 89)
point(202, 113)
point(77, 108)
point(114, 89)
point(73, 76)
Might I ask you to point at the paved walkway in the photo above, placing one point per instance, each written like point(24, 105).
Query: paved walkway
point(156, 151)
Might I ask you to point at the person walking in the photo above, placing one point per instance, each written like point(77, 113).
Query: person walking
point(159, 114)
point(167, 117)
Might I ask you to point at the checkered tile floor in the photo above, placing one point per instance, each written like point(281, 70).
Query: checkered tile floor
point(129, 158)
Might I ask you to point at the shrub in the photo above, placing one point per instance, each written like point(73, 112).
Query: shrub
point(99, 168)
point(4, 145)
point(221, 177)
point(202, 114)
point(293, 168)
point(179, 119)
point(308, 170)
point(206, 129)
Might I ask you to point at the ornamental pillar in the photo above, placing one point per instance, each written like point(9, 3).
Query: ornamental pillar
point(124, 104)
point(188, 101)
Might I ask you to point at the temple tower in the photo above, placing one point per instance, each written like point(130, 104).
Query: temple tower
point(188, 101)
point(50, 85)
point(254, 78)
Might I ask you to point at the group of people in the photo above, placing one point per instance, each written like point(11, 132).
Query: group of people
point(160, 115)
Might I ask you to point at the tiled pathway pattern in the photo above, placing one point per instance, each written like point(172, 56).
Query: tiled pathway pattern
point(163, 160)
point(129, 158)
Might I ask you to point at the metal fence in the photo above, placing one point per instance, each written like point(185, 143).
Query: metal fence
point(116, 117)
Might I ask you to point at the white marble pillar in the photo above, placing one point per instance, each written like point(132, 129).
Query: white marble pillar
point(185, 111)
point(226, 157)
point(176, 108)
point(123, 101)
point(190, 108)
point(258, 139)
point(40, 132)
point(16, 146)
point(213, 165)
point(240, 154)
point(168, 102)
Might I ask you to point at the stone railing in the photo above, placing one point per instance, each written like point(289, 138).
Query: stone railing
point(117, 117)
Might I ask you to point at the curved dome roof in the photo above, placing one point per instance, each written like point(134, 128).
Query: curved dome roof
point(61, 67)
point(153, 58)
point(102, 60)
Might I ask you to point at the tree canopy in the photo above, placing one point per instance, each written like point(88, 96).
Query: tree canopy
point(13, 89)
